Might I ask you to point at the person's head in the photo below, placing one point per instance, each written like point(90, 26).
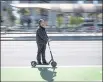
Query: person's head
point(42, 23)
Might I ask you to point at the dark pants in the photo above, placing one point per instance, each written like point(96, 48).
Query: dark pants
point(41, 52)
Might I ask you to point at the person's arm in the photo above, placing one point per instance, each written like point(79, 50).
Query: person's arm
point(42, 35)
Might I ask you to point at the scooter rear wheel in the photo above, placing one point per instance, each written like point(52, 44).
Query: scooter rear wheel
point(33, 63)
point(53, 64)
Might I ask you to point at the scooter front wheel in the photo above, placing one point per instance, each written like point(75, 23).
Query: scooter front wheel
point(53, 64)
point(33, 63)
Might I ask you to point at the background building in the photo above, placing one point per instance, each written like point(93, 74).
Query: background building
point(51, 15)
point(59, 15)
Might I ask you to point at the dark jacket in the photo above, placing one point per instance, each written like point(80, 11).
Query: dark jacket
point(41, 36)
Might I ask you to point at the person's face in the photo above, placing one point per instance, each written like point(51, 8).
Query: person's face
point(43, 23)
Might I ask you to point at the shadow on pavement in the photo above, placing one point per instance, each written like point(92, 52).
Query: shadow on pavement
point(47, 74)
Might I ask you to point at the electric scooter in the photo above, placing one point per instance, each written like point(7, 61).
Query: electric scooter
point(52, 62)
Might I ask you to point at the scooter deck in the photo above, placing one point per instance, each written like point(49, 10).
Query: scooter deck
point(42, 64)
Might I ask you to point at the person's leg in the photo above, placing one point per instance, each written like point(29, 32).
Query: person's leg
point(43, 54)
point(40, 49)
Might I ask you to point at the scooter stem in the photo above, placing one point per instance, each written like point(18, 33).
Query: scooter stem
point(50, 50)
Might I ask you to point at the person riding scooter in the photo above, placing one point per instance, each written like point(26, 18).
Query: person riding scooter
point(41, 40)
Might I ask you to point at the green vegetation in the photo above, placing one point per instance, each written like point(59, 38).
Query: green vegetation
point(59, 21)
point(75, 20)
point(24, 11)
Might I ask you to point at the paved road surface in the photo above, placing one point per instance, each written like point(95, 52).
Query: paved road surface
point(66, 53)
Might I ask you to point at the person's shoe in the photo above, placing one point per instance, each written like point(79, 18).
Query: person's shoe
point(39, 63)
point(45, 63)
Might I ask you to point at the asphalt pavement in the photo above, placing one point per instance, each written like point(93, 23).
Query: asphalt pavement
point(66, 53)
